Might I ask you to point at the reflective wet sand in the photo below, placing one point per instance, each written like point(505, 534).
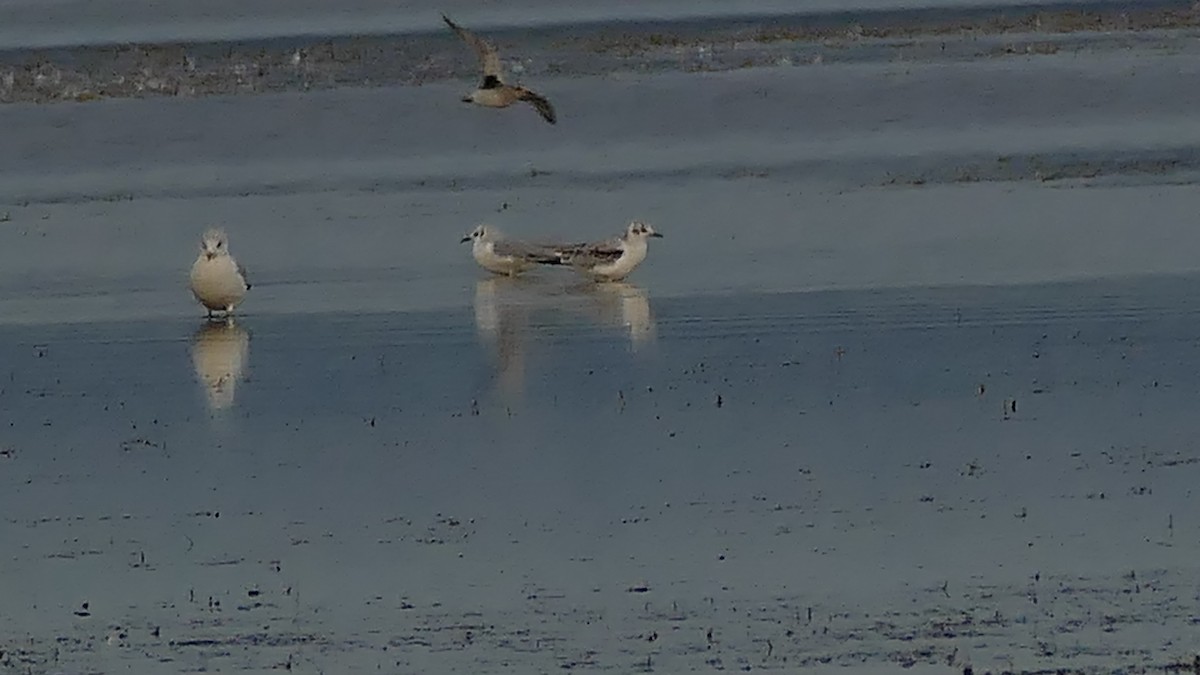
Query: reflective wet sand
point(911, 383)
point(812, 478)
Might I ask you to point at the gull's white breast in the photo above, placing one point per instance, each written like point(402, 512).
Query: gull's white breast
point(631, 257)
point(485, 254)
point(217, 283)
point(496, 97)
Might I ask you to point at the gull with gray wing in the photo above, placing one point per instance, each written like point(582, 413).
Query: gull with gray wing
point(218, 282)
point(610, 260)
point(496, 254)
point(493, 91)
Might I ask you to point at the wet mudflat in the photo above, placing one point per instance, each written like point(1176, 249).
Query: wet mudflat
point(910, 382)
point(996, 477)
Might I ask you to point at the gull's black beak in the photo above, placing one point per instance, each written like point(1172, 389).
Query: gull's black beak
point(465, 239)
point(466, 99)
point(655, 234)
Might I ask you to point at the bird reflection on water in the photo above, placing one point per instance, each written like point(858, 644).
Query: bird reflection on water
point(500, 321)
point(220, 350)
point(627, 306)
point(507, 309)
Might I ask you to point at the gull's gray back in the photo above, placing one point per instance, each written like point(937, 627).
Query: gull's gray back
point(526, 251)
point(592, 254)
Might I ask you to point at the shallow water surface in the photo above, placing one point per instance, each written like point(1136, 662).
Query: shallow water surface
point(569, 477)
point(910, 381)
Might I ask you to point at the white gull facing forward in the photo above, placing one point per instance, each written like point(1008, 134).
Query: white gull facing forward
point(218, 282)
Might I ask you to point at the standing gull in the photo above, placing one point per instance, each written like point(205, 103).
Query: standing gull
point(506, 256)
point(493, 92)
point(610, 260)
point(218, 282)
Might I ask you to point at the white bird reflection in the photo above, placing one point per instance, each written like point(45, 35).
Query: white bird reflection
point(626, 306)
point(220, 350)
point(504, 307)
point(500, 320)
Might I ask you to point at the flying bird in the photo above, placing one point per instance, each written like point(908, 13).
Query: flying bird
point(493, 92)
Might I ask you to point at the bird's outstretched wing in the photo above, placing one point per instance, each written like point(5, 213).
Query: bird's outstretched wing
point(539, 102)
point(489, 60)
